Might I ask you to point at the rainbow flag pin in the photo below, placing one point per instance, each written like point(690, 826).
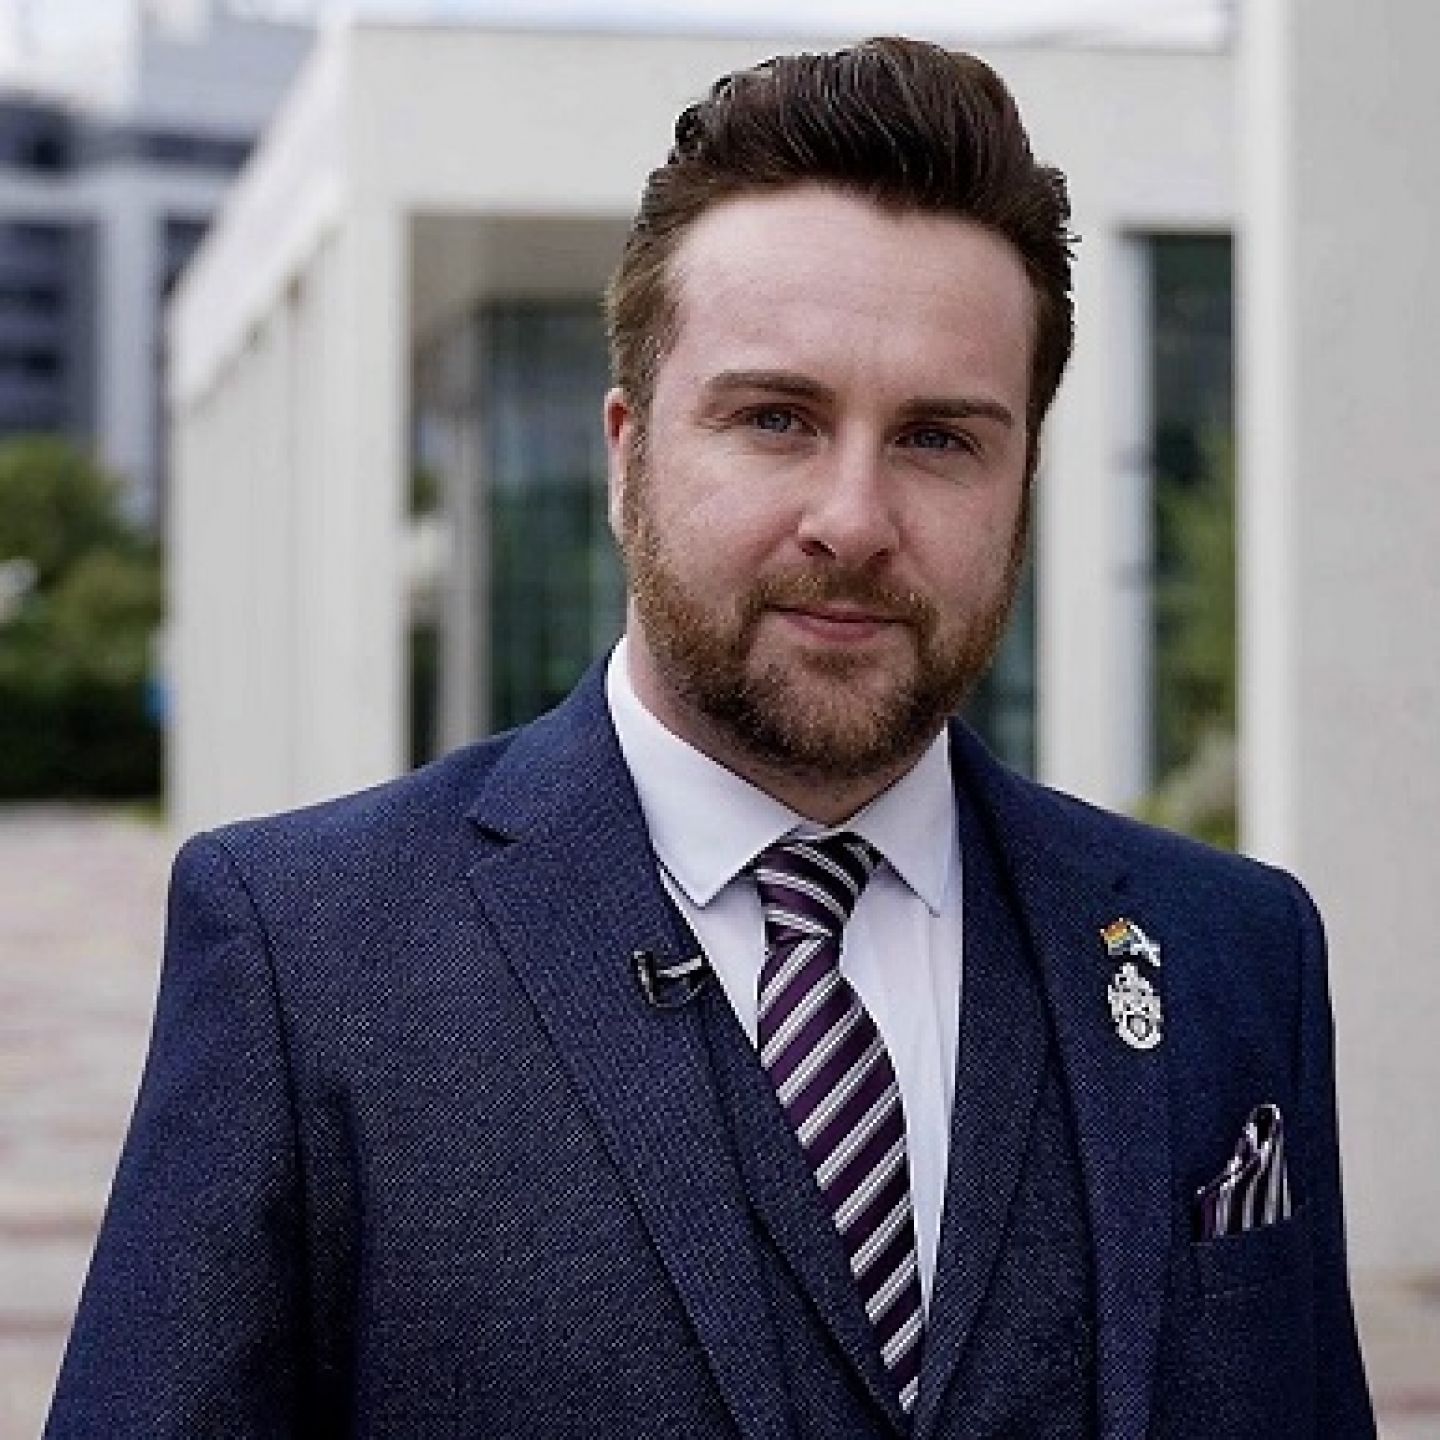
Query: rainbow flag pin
point(1124, 937)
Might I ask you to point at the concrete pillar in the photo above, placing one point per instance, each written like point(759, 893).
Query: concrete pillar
point(126, 335)
point(464, 628)
point(314, 499)
point(363, 611)
point(1092, 646)
point(1340, 553)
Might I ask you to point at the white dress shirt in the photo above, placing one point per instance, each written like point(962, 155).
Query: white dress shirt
point(901, 949)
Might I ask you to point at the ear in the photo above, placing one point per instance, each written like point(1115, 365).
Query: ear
point(619, 437)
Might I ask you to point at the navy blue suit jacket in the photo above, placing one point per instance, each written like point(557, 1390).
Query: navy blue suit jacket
point(413, 1156)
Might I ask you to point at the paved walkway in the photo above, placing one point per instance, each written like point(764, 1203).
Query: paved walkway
point(81, 909)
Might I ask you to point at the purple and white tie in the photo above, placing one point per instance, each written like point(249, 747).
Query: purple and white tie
point(836, 1083)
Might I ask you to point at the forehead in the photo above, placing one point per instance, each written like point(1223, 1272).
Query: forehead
point(820, 280)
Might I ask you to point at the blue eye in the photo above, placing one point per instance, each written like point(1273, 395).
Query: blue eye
point(937, 440)
point(775, 420)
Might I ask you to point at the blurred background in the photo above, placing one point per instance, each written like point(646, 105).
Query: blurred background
point(301, 483)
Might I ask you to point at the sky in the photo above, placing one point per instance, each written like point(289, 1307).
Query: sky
point(42, 41)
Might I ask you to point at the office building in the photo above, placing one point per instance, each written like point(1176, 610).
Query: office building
point(101, 206)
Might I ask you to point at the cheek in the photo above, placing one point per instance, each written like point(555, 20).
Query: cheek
point(719, 527)
point(967, 554)
point(707, 478)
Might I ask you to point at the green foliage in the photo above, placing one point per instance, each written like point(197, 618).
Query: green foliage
point(55, 505)
point(75, 650)
point(1198, 797)
point(1195, 653)
point(427, 492)
point(1195, 605)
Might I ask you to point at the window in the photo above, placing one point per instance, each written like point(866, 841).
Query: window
point(35, 237)
point(1002, 709)
point(33, 300)
point(516, 584)
point(208, 152)
point(556, 596)
point(1192, 448)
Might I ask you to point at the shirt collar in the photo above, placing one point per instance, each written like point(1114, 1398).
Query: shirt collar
point(707, 823)
point(914, 825)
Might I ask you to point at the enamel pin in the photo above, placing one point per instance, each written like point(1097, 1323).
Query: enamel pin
point(1124, 937)
point(1134, 1001)
point(1135, 1008)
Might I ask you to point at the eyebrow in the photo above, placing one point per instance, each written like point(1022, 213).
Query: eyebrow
point(801, 387)
point(775, 382)
point(952, 407)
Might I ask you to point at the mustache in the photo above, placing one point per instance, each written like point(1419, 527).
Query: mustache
point(797, 589)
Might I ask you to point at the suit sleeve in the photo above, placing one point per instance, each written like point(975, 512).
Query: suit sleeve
point(1342, 1402)
point(191, 1320)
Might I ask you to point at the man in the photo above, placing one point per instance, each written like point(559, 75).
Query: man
point(739, 1050)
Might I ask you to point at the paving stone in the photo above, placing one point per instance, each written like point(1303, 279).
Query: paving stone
point(82, 896)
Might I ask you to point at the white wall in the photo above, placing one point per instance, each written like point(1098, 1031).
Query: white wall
point(285, 628)
point(1341, 554)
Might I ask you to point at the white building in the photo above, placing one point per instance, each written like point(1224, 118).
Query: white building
point(386, 387)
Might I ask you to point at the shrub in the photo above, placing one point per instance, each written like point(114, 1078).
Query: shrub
point(75, 648)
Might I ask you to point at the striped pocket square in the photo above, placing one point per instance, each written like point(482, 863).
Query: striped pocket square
point(1254, 1188)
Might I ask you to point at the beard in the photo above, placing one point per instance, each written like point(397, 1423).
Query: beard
point(813, 715)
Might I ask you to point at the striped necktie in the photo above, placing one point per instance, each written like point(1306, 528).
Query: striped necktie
point(836, 1083)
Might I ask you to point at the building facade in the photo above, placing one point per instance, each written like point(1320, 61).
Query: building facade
point(47, 277)
point(100, 209)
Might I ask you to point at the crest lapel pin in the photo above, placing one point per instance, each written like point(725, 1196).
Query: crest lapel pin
point(1134, 1001)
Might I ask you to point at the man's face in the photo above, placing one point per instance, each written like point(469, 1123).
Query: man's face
point(823, 518)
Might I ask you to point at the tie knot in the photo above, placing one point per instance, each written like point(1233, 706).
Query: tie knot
point(810, 886)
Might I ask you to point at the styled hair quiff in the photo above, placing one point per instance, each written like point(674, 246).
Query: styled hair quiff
point(905, 124)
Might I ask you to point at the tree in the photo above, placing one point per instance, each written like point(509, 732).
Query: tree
point(75, 641)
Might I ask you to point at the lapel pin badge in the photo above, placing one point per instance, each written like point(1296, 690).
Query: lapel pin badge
point(1134, 1001)
point(1124, 938)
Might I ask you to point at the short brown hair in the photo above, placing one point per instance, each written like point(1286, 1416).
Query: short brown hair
point(900, 122)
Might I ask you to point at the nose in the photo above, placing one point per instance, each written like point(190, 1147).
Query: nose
point(849, 515)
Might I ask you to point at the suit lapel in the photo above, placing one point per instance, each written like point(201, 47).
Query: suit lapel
point(568, 885)
point(1000, 1066)
point(1065, 894)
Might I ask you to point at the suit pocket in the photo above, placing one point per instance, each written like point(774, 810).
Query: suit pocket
point(1238, 1355)
point(1254, 1260)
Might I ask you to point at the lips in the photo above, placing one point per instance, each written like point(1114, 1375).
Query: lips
point(837, 623)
